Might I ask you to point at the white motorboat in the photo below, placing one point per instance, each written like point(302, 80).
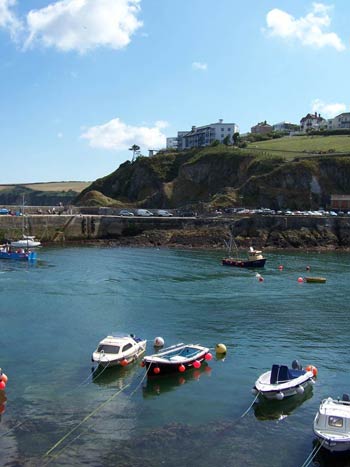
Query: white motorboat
point(281, 381)
point(118, 349)
point(27, 241)
point(332, 424)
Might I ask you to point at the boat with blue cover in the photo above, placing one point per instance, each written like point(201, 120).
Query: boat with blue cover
point(19, 254)
point(282, 381)
point(176, 358)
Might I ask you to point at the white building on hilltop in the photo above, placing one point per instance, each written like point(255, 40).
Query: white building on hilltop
point(203, 136)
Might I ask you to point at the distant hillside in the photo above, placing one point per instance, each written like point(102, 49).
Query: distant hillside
point(41, 194)
point(267, 175)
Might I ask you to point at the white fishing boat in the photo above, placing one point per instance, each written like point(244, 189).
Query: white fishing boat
point(281, 381)
point(118, 349)
point(27, 241)
point(332, 424)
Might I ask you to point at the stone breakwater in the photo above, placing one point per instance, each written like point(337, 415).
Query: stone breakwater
point(260, 231)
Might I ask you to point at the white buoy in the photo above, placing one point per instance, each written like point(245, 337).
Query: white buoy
point(158, 342)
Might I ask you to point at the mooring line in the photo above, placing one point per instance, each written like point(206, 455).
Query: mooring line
point(251, 405)
point(312, 454)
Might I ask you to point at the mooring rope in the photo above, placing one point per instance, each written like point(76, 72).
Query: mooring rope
point(89, 416)
point(312, 454)
point(251, 405)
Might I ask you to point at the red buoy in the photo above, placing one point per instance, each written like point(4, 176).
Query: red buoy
point(2, 385)
point(208, 356)
point(300, 280)
point(196, 364)
point(124, 362)
point(156, 370)
point(181, 368)
point(280, 267)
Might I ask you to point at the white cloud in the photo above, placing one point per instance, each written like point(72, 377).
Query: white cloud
point(327, 110)
point(199, 66)
point(84, 24)
point(117, 135)
point(8, 19)
point(309, 30)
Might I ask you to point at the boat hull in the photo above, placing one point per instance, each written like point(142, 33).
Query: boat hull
point(287, 392)
point(18, 256)
point(333, 445)
point(161, 364)
point(242, 263)
point(315, 280)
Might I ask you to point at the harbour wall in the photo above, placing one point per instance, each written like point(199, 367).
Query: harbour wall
point(261, 231)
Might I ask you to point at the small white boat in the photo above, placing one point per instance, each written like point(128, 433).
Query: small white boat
point(118, 349)
point(27, 241)
point(281, 381)
point(332, 424)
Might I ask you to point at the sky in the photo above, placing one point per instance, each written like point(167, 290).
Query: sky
point(81, 81)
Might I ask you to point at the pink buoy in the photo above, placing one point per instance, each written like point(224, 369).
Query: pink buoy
point(196, 364)
point(181, 368)
point(300, 279)
point(4, 378)
point(280, 267)
point(208, 356)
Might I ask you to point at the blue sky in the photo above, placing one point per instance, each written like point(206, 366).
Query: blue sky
point(83, 80)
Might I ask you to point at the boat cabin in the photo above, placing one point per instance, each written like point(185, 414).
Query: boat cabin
point(333, 418)
point(253, 254)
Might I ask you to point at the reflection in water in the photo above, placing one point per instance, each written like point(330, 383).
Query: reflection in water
point(165, 383)
point(114, 376)
point(3, 400)
point(265, 409)
point(325, 458)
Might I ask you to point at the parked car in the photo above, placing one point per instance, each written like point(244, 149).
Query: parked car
point(187, 214)
point(125, 212)
point(163, 213)
point(4, 211)
point(144, 212)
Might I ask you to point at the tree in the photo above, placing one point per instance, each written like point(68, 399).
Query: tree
point(135, 150)
point(226, 140)
point(235, 138)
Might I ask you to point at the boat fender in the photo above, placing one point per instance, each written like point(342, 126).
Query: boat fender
point(280, 396)
point(208, 356)
point(156, 370)
point(124, 362)
point(196, 364)
point(300, 390)
point(181, 368)
point(313, 369)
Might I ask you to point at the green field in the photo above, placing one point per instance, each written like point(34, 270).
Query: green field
point(294, 146)
point(50, 186)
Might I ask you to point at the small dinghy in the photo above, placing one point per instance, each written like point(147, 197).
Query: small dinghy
point(118, 349)
point(315, 280)
point(332, 424)
point(176, 358)
point(283, 382)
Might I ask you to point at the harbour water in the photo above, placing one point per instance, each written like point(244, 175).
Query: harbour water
point(53, 314)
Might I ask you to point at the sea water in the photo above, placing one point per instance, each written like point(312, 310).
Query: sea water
point(54, 312)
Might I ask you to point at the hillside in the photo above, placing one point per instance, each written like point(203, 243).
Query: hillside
point(267, 175)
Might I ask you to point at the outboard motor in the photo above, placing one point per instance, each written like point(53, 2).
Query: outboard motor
point(296, 365)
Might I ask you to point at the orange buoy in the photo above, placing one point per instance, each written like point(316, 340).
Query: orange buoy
point(313, 369)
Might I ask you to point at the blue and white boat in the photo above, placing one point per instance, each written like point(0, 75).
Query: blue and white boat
point(281, 381)
point(176, 358)
point(19, 254)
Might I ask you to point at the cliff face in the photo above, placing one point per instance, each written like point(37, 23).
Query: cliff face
point(224, 176)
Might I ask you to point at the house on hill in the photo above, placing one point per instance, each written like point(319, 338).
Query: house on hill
point(341, 122)
point(261, 128)
point(312, 122)
point(203, 136)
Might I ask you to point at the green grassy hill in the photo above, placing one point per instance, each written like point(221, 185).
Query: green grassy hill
point(297, 146)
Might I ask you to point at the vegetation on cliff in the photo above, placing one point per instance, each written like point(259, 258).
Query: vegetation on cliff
point(264, 175)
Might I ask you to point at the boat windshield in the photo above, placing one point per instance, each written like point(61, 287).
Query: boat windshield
point(335, 421)
point(108, 348)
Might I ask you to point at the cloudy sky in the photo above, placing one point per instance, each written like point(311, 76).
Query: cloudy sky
point(83, 80)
